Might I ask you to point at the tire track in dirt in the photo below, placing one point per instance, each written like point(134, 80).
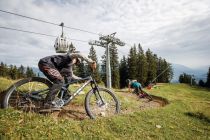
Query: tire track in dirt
point(77, 112)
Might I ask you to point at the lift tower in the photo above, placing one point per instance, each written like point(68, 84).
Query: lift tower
point(106, 42)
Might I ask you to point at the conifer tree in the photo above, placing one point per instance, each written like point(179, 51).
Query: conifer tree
point(6, 70)
point(152, 66)
point(21, 72)
point(208, 79)
point(201, 83)
point(29, 72)
point(169, 73)
point(186, 78)
point(141, 66)
point(10, 72)
point(160, 69)
point(92, 55)
point(114, 67)
point(123, 72)
point(3, 70)
point(81, 70)
point(132, 63)
point(77, 70)
point(72, 48)
point(15, 73)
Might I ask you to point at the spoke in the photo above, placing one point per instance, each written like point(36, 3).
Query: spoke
point(19, 100)
point(109, 107)
point(31, 86)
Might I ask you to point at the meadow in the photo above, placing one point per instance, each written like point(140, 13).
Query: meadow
point(187, 116)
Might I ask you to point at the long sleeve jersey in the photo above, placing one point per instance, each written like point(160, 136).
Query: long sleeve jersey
point(63, 63)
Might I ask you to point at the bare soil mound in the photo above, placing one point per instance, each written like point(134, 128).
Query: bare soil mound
point(76, 112)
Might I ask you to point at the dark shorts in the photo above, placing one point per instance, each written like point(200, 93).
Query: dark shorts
point(51, 72)
point(137, 90)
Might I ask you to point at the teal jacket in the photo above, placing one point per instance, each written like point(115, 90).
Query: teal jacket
point(135, 85)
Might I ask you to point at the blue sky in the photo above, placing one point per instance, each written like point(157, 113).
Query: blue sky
point(176, 30)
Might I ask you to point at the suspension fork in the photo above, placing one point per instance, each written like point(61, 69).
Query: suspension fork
point(95, 88)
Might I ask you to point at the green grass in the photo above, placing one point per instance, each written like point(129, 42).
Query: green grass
point(186, 117)
point(5, 84)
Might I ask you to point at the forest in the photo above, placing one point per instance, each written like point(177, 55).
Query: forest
point(14, 72)
point(143, 66)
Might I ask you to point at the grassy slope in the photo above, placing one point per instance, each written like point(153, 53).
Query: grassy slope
point(186, 117)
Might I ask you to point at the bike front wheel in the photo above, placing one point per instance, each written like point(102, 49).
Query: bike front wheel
point(101, 104)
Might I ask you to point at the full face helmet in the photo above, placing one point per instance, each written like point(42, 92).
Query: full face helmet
point(61, 45)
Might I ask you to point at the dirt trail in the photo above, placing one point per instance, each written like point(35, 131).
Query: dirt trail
point(76, 112)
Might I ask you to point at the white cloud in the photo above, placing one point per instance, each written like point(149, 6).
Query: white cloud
point(175, 30)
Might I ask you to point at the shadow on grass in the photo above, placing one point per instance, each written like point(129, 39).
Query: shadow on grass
point(121, 90)
point(199, 116)
point(73, 114)
point(200, 88)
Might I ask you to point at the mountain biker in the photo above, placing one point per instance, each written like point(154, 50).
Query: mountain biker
point(133, 84)
point(55, 67)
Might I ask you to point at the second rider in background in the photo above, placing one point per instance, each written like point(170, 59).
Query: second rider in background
point(133, 84)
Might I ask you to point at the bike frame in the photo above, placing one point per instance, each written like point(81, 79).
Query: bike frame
point(90, 80)
point(65, 87)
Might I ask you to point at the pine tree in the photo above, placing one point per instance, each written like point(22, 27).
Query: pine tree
point(10, 72)
point(123, 72)
point(71, 48)
point(181, 78)
point(208, 79)
point(132, 59)
point(141, 66)
point(81, 70)
point(13, 72)
point(3, 70)
point(201, 83)
point(6, 70)
point(186, 78)
point(29, 72)
point(169, 73)
point(152, 66)
point(160, 69)
point(21, 72)
point(92, 55)
point(114, 67)
point(76, 69)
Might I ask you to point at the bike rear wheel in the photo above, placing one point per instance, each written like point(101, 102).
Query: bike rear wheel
point(96, 108)
point(27, 94)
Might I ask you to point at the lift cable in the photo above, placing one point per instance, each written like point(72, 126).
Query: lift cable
point(31, 32)
point(73, 28)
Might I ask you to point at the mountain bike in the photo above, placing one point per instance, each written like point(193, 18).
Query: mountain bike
point(143, 94)
point(29, 95)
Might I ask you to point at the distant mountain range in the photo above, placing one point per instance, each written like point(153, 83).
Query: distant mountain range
point(37, 72)
point(199, 73)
